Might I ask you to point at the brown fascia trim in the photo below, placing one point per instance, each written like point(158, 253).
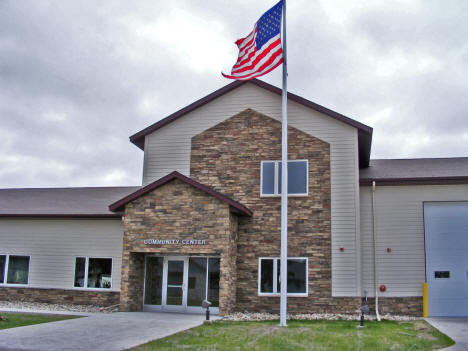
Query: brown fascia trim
point(60, 215)
point(235, 206)
point(416, 181)
point(364, 132)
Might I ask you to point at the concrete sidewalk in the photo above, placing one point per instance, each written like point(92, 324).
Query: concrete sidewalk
point(106, 332)
point(456, 328)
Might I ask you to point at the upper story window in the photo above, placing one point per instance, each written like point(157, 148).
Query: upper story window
point(270, 184)
point(14, 269)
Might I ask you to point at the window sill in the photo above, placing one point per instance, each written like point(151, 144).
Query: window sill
point(7, 285)
point(279, 195)
point(93, 289)
point(288, 295)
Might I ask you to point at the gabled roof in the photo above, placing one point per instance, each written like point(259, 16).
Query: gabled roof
point(92, 202)
point(364, 132)
point(414, 171)
point(234, 205)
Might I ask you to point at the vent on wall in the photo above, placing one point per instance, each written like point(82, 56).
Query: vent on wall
point(442, 274)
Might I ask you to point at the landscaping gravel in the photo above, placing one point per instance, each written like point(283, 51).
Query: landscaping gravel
point(312, 316)
point(238, 316)
point(56, 307)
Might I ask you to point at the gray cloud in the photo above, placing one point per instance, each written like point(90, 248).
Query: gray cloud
point(77, 78)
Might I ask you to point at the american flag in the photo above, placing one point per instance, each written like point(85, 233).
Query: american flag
point(260, 52)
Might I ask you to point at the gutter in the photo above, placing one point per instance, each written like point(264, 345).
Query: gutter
point(374, 240)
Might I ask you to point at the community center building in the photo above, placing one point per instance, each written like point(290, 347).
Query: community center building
point(205, 224)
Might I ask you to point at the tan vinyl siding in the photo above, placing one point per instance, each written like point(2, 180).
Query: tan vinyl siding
point(400, 227)
point(54, 243)
point(168, 149)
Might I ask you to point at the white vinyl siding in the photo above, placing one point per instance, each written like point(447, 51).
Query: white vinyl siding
point(54, 244)
point(399, 227)
point(168, 149)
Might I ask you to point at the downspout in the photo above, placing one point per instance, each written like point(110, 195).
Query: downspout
point(374, 240)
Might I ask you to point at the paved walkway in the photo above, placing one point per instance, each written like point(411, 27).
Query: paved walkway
point(456, 328)
point(109, 332)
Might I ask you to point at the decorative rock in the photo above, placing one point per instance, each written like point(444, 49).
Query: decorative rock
point(55, 307)
point(311, 316)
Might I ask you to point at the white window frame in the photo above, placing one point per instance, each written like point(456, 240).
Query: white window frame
point(5, 269)
point(276, 193)
point(276, 263)
point(86, 273)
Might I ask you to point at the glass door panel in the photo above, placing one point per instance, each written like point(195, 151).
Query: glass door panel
point(213, 281)
point(175, 282)
point(175, 273)
point(196, 281)
point(174, 296)
point(154, 278)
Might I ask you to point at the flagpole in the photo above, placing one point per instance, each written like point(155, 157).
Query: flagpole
point(284, 183)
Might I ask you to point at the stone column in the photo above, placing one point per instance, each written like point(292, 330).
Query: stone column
point(132, 283)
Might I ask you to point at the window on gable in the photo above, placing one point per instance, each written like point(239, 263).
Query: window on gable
point(14, 269)
point(269, 281)
point(271, 178)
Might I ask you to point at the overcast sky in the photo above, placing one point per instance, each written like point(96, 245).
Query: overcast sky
point(77, 78)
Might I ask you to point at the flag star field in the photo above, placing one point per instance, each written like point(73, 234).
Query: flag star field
point(269, 25)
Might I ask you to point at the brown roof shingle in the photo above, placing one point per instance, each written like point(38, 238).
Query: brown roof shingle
point(61, 202)
point(416, 171)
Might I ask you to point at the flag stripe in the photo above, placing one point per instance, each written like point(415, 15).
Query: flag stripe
point(267, 62)
point(247, 40)
point(259, 55)
point(251, 76)
point(260, 66)
point(277, 51)
point(261, 51)
point(264, 66)
point(249, 50)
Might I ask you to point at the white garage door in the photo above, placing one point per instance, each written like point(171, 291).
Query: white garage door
point(446, 232)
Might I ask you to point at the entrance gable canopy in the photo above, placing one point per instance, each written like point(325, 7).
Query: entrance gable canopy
point(235, 206)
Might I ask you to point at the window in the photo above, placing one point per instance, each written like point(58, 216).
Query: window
point(14, 269)
point(269, 276)
point(271, 178)
point(93, 273)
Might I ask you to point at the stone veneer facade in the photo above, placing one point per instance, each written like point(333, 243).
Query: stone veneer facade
point(60, 296)
point(228, 158)
point(177, 210)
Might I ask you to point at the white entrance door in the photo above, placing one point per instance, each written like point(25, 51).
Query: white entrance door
point(175, 277)
point(446, 235)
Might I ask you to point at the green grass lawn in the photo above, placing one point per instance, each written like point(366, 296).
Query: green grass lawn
point(14, 320)
point(305, 335)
